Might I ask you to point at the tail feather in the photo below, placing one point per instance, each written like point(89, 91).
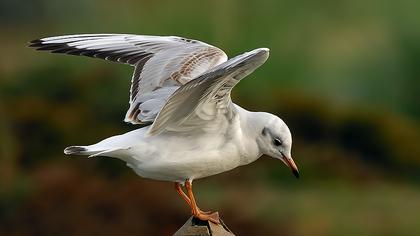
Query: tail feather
point(115, 146)
point(91, 151)
point(75, 150)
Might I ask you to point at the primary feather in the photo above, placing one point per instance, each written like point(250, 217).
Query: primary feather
point(161, 64)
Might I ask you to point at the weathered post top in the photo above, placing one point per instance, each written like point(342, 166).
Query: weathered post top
point(196, 227)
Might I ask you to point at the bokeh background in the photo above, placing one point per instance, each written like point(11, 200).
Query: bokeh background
point(343, 74)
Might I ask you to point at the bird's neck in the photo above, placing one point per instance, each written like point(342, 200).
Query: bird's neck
point(250, 130)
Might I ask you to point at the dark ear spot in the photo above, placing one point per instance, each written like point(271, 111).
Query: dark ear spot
point(264, 131)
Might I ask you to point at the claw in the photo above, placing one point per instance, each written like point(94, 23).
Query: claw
point(213, 217)
point(195, 211)
point(201, 212)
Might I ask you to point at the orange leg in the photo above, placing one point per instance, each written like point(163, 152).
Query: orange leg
point(213, 217)
point(182, 194)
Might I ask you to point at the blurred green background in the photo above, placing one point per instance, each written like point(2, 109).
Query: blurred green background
point(344, 75)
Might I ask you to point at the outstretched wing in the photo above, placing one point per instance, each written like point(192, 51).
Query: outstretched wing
point(161, 63)
point(203, 101)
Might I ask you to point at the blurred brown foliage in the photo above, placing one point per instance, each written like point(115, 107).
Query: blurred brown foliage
point(343, 75)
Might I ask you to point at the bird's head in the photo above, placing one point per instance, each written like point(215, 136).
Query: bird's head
point(275, 140)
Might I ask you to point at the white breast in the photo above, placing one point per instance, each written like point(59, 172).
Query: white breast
point(175, 157)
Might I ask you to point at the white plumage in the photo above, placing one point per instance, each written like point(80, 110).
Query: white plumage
point(181, 87)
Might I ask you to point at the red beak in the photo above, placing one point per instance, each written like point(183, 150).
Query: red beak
point(289, 162)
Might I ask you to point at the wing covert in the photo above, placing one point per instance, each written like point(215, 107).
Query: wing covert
point(207, 98)
point(161, 63)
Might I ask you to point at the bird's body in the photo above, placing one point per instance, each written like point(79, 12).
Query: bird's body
point(175, 157)
point(181, 91)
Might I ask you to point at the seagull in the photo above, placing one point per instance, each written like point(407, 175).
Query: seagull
point(180, 94)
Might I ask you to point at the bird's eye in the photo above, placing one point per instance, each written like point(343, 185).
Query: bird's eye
point(277, 142)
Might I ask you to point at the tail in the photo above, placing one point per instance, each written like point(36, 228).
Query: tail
point(75, 150)
point(92, 151)
point(115, 146)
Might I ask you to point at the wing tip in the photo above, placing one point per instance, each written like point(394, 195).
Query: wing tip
point(130, 121)
point(263, 51)
point(260, 55)
point(135, 121)
point(36, 43)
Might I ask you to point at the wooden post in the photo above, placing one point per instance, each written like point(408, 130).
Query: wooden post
point(196, 227)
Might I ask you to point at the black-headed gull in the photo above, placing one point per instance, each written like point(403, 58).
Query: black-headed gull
point(181, 91)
